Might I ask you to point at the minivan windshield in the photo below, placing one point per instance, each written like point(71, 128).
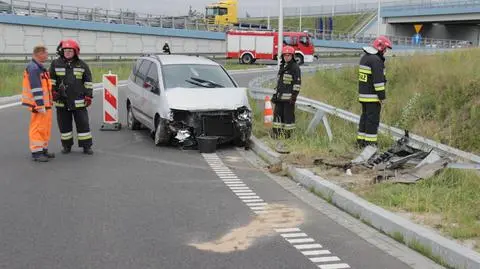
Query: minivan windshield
point(195, 76)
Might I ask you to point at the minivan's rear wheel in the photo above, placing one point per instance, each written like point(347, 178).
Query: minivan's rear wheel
point(162, 136)
point(132, 123)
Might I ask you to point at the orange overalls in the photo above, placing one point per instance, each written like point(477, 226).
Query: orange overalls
point(37, 96)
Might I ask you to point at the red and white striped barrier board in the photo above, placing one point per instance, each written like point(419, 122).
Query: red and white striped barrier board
point(110, 102)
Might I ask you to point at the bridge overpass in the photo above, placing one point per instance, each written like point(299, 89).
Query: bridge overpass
point(440, 19)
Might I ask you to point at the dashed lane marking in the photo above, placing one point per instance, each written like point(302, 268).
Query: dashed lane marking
point(315, 252)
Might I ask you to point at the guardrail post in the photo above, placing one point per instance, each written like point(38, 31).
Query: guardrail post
point(320, 116)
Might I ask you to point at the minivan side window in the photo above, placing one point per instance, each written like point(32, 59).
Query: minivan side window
point(135, 68)
point(152, 75)
point(142, 72)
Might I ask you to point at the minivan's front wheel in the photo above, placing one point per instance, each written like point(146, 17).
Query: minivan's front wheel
point(132, 123)
point(162, 136)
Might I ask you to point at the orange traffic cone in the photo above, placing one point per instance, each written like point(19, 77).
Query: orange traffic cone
point(268, 112)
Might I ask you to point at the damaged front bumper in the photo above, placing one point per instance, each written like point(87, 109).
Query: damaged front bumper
point(231, 125)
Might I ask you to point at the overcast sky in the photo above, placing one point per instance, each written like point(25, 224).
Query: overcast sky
point(180, 7)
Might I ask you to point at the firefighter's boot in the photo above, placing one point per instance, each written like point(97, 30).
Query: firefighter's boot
point(39, 157)
point(88, 150)
point(48, 154)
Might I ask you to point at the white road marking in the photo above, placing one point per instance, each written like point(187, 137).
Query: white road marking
point(256, 204)
point(252, 200)
point(239, 188)
point(325, 259)
point(308, 246)
point(334, 266)
point(315, 252)
point(300, 240)
point(293, 235)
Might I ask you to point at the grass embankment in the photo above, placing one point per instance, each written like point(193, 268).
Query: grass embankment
point(12, 72)
point(434, 96)
point(341, 23)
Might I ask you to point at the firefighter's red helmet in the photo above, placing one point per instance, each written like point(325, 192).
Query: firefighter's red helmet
point(288, 50)
point(381, 43)
point(71, 44)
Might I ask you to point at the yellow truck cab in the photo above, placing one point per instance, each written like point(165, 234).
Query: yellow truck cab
point(222, 13)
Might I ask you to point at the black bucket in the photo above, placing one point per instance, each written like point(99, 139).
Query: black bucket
point(207, 144)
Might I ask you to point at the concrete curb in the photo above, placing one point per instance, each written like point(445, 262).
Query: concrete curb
point(434, 244)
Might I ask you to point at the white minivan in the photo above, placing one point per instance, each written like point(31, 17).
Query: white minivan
point(181, 98)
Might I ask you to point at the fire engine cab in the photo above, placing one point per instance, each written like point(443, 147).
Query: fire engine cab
point(248, 46)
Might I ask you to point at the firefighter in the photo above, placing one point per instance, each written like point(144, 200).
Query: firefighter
point(37, 96)
point(287, 90)
point(371, 87)
point(166, 48)
point(72, 94)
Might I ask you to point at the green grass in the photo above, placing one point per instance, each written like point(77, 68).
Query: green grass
point(12, 72)
point(341, 23)
point(449, 201)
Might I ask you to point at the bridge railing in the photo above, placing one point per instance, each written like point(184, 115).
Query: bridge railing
point(396, 40)
point(425, 4)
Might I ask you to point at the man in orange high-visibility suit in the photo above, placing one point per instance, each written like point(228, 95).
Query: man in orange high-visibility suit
point(37, 96)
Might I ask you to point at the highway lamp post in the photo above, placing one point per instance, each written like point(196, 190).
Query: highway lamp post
point(300, 23)
point(379, 19)
point(280, 35)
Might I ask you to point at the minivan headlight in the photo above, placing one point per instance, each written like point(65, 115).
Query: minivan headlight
point(244, 114)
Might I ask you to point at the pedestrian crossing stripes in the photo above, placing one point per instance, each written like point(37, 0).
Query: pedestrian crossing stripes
point(315, 252)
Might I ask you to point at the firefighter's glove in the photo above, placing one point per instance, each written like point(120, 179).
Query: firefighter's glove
point(274, 98)
point(88, 101)
point(293, 99)
point(55, 95)
point(62, 92)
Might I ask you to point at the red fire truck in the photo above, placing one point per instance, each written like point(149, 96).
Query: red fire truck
point(248, 46)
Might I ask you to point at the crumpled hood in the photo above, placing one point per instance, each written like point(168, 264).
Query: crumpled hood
point(204, 99)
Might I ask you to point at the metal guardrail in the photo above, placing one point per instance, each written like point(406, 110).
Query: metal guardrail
point(396, 40)
point(321, 110)
point(110, 56)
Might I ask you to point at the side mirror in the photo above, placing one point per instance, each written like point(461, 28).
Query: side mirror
point(155, 90)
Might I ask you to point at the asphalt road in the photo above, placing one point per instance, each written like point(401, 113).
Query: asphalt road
point(134, 205)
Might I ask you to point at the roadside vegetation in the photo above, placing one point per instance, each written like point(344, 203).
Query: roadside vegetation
point(436, 96)
point(12, 72)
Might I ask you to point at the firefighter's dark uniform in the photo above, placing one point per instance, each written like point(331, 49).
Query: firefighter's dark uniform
point(166, 48)
point(371, 88)
point(70, 104)
point(287, 90)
